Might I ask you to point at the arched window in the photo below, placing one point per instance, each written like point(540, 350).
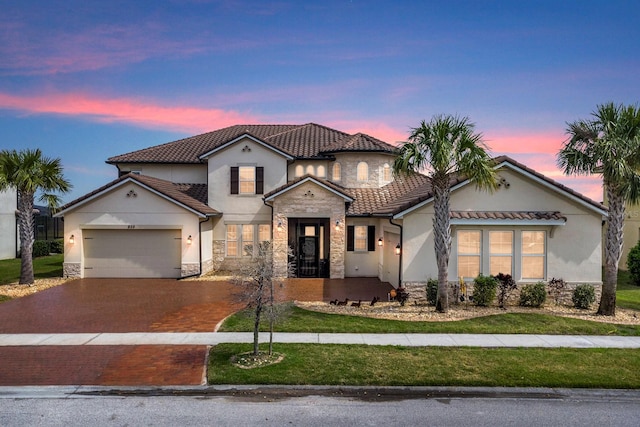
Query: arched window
point(299, 170)
point(386, 172)
point(362, 171)
point(321, 171)
point(310, 170)
point(336, 172)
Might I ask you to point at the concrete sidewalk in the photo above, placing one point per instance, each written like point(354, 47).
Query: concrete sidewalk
point(410, 340)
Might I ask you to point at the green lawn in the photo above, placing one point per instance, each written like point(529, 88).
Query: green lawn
point(432, 366)
point(300, 320)
point(628, 294)
point(48, 266)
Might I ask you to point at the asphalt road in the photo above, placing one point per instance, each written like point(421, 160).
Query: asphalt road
point(46, 407)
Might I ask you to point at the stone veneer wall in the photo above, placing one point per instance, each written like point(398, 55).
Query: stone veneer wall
point(189, 269)
point(71, 269)
point(309, 200)
point(418, 292)
point(349, 165)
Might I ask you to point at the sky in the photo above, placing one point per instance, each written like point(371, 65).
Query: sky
point(90, 79)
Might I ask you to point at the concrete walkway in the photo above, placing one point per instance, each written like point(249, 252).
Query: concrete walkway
point(411, 340)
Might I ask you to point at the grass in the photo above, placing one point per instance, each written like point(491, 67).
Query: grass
point(43, 267)
point(300, 320)
point(627, 294)
point(311, 364)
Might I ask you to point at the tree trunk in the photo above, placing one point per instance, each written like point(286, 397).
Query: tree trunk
point(442, 238)
point(256, 324)
point(612, 252)
point(25, 221)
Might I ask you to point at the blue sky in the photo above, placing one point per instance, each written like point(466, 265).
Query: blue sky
point(86, 80)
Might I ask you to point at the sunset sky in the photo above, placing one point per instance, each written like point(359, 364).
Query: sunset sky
point(86, 80)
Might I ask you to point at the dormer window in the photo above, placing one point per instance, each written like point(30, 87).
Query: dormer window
point(336, 173)
point(362, 171)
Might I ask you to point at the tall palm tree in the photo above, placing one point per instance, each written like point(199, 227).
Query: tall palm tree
point(29, 172)
point(444, 147)
point(608, 145)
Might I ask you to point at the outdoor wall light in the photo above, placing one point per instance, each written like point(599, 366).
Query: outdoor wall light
point(189, 240)
point(337, 225)
point(398, 249)
point(279, 226)
point(380, 241)
point(72, 239)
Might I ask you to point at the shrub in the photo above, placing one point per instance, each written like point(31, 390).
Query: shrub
point(506, 285)
point(40, 248)
point(432, 291)
point(556, 286)
point(56, 246)
point(484, 290)
point(633, 264)
point(533, 294)
point(583, 296)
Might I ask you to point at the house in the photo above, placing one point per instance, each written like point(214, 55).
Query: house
point(329, 203)
point(8, 226)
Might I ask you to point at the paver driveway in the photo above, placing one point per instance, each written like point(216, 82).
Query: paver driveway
point(140, 305)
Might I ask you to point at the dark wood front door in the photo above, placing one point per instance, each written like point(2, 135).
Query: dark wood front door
point(308, 262)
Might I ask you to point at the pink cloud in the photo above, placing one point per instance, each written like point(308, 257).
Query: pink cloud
point(504, 142)
point(126, 110)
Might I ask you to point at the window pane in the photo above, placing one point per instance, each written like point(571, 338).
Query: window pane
point(468, 266)
point(309, 230)
point(232, 240)
point(501, 242)
point(360, 237)
point(299, 170)
point(533, 267)
point(500, 264)
point(247, 176)
point(362, 171)
point(321, 171)
point(264, 232)
point(533, 242)
point(386, 172)
point(336, 171)
point(469, 242)
point(310, 169)
point(247, 240)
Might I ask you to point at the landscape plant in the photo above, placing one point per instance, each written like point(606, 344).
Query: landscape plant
point(432, 291)
point(484, 290)
point(555, 289)
point(444, 148)
point(633, 264)
point(583, 296)
point(533, 294)
point(506, 286)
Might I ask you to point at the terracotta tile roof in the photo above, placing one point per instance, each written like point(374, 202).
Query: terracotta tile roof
point(329, 184)
point(302, 141)
point(382, 201)
point(500, 215)
point(193, 196)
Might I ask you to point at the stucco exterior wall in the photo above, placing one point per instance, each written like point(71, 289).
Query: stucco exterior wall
point(363, 263)
point(573, 249)
point(8, 234)
point(631, 233)
point(129, 206)
point(192, 174)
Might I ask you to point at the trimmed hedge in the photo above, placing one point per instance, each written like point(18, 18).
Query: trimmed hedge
point(533, 295)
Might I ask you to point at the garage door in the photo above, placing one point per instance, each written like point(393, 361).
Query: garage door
point(132, 253)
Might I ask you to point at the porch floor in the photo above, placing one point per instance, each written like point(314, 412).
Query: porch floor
point(354, 288)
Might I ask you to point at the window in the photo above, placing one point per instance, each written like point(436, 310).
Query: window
point(310, 170)
point(247, 180)
point(500, 252)
point(362, 171)
point(533, 254)
point(299, 171)
point(232, 240)
point(361, 238)
point(469, 244)
point(336, 172)
point(321, 171)
point(244, 236)
point(386, 172)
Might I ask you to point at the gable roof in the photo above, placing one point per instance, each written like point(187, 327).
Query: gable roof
point(192, 197)
point(339, 191)
point(308, 141)
point(424, 195)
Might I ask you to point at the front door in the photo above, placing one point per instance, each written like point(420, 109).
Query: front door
point(308, 262)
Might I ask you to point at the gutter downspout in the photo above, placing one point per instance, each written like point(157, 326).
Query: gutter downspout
point(401, 252)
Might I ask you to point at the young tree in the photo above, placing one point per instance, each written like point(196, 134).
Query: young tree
point(29, 172)
point(608, 145)
point(443, 148)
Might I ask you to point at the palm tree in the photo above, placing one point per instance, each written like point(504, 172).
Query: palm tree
point(445, 147)
point(608, 145)
point(28, 172)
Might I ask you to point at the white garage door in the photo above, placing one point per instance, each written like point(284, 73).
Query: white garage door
point(132, 253)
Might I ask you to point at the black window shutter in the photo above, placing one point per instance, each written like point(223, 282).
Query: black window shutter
point(235, 178)
point(350, 238)
point(371, 238)
point(259, 180)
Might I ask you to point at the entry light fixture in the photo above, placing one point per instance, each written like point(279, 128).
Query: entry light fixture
point(380, 241)
point(189, 240)
point(279, 226)
point(337, 225)
point(398, 249)
point(72, 239)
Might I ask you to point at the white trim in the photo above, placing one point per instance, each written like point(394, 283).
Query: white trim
point(308, 179)
point(241, 137)
point(129, 180)
point(479, 221)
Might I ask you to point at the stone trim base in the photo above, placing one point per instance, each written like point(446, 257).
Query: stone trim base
point(189, 269)
point(71, 270)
